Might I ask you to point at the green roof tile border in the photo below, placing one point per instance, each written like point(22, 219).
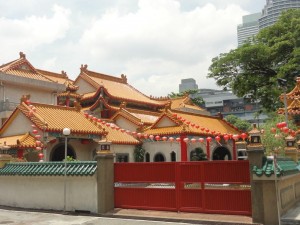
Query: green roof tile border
point(285, 167)
point(80, 168)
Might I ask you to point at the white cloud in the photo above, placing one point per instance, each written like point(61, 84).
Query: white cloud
point(25, 34)
point(155, 43)
point(159, 44)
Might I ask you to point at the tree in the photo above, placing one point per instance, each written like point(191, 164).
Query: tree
point(252, 69)
point(242, 125)
point(273, 138)
point(139, 153)
point(198, 155)
point(196, 100)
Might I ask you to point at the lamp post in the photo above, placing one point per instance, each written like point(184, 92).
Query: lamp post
point(66, 133)
point(283, 83)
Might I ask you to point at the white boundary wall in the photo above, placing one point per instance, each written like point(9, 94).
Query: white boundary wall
point(47, 192)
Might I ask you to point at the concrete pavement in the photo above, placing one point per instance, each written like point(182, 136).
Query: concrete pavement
point(24, 216)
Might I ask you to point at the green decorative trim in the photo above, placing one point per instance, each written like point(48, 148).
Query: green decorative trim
point(80, 168)
point(285, 166)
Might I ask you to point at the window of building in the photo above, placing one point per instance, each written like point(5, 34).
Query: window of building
point(147, 156)
point(173, 156)
point(122, 157)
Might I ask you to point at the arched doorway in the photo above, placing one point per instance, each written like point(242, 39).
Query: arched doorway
point(58, 154)
point(221, 153)
point(159, 158)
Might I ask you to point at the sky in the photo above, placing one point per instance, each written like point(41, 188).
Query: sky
point(155, 43)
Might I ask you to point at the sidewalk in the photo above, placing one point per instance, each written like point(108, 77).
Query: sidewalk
point(194, 218)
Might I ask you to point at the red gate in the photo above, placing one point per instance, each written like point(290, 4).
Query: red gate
point(211, 187)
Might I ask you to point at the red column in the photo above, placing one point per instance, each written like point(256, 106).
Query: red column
point(183, 146)
point(234, 149)
point(20, 153)
point(208, 150)
point(67, 101)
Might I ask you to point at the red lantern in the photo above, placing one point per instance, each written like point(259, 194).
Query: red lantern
point(30, 113)
point(285, 130)
point(122, 130)
point(243, 136)
point(38, 136)
point(178, 139)
point(145, 136)
point(164, 138)
point(95, 118)
point(33, 126)
point(201, 140)
point(193, 140)
point(179, 117)
point(139, 135)
point(226, 137)
point(99, 120)
point(108, 124)
point(273, 130)
point(128, 131)
point(157, 138)
point(174, 114)
point(27, 102)
point(41, 155)
point(192, 124)
point(197, 126)
point(183, 120)
point(34, 131)
point(207, 130)
point(38, 143)
point(90, 116)
point(133, 133)
point(38, 148)
point(188, 122)
point(186, 140)
point(151, 136)
point(117, 128)
point(171, 139)
point(86, 115)
point(208, 139)
point(112, 126)
point(283, 124)
point(235, 137)
point(202, 128)
point(217, 138)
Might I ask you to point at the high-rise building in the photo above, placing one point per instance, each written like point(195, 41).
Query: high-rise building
point(254, 22)
point(248, 28)
point(273, 9)
point(188, 84)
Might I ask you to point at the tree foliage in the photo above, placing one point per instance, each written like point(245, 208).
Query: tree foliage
point(242, 125)
point(252, 69)
point(275, 141)
point(198, 155)
point(139, 153)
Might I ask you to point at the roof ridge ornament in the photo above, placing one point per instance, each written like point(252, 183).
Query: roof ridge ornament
point(124, 78)
point(83, 68)
point(22, 55)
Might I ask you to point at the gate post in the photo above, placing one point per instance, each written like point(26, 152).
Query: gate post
point(255, 152)
point(105, 178)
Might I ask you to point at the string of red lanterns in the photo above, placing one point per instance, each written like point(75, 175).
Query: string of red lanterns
point(217, 134)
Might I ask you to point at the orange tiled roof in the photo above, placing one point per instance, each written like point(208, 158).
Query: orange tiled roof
point(293, 108)
point(117, 88)
point(295, 93)
point(184, 102)
point(118, 137)
point(59, 117)
point(214, 124)
point(22, 68)
point(55, 77)
point(22, 141)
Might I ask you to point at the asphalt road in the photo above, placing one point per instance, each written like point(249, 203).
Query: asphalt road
point(11, 217)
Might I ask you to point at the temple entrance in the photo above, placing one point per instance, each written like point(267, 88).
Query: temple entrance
point(58, 154)
point(221, 153)
point(159, 157)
